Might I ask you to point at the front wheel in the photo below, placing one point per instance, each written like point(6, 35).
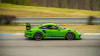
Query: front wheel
point(70, 36)
point(38, 36)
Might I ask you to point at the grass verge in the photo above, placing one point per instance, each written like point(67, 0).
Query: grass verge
point(34, 11)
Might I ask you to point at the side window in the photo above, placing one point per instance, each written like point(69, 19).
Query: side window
point(52, 27)
point(49, 27)
point(43, 27)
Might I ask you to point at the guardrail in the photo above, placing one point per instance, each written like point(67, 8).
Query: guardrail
point(60, 20)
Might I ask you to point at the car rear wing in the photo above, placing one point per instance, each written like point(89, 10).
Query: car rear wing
point(28, 26)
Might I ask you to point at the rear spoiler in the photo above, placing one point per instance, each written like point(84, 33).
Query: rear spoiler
point(28, 26)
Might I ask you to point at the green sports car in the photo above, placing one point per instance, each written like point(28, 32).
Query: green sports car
point(50, 31)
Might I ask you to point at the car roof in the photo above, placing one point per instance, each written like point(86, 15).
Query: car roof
point(45, 24)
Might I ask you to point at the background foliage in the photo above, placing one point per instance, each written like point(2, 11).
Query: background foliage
point(74, 4)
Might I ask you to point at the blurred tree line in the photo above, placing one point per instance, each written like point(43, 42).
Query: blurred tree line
point(73, 4)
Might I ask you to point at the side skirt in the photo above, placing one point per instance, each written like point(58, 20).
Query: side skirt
point(54, 38)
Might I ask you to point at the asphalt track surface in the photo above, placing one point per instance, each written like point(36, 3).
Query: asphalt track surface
point(16, 45)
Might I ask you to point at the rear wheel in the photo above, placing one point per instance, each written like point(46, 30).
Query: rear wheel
point(38, 36)
point(70, 36)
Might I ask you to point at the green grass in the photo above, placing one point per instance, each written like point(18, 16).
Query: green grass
point(80, 28)
point(35, 11)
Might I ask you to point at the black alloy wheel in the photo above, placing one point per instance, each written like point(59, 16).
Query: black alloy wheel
point(38, 36)
point(70, 36)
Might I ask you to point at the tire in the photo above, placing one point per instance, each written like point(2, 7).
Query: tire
point(38, 36)
point(70, 36)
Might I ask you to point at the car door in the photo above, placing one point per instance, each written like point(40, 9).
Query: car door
point(47, 31)
point(54, 32)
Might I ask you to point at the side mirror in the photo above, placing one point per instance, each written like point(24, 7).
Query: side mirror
point(59, 29)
